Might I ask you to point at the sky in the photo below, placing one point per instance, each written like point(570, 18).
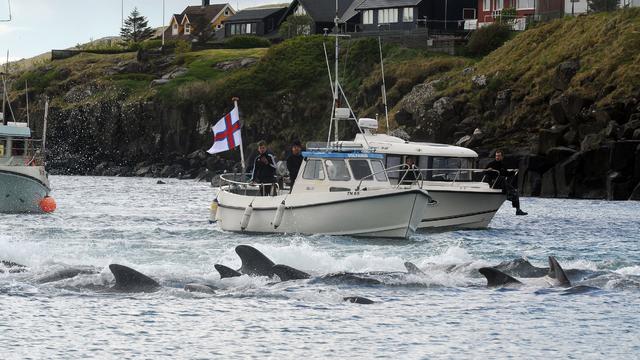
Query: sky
point(37, 26)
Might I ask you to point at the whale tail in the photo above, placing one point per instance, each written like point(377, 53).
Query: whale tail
point(496, 277)
point(556, 272)
point(128, 279)
point(286, 273)
point(253, 261)
point(226, 272)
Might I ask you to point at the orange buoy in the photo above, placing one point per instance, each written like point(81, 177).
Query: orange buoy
point(47, 204)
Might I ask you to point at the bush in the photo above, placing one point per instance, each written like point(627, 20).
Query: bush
point(486, 39)
point(246, 42)
point(182, 47)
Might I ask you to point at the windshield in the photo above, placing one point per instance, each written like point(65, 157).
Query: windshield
point(378, 170)
point(337, 170)
point(360, 169)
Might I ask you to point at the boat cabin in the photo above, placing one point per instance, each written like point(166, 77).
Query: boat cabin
point(15, 142)
point(340, 171)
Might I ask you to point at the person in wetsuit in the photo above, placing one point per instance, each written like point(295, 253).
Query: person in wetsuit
point(294, 161)
point(264, 169)
point(503, 178)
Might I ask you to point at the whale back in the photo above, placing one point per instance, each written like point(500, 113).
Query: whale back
point(254, 262)
point(496, 277)
point(130, 280)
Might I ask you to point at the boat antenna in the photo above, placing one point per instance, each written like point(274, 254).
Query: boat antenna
point(44, 129)
point(384, 86)
point(9, 18)
point(26, 95)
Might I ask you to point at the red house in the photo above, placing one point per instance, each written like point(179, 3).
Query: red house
point(490, 11)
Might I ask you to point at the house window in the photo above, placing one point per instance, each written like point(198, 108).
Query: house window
point(387, 16)
point(367, 17)
point(187, 29)
point(407, 14)
point(218, 27)
point(300, 11)
point(238, 29)
point(526, 4)
point(486, 5)
point(468, 13)
point(174, 29)
point(226, 12)
point(499, 4)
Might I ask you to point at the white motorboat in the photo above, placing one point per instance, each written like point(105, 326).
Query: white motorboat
point(24, 184)
point(337, 193)
point(464, 199)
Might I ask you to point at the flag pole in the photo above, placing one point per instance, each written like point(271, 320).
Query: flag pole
point(235, 103)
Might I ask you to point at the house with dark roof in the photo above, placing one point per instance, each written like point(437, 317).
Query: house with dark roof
point(407, 15)
point(195, 19)
point(256, 21)
point(322, 14)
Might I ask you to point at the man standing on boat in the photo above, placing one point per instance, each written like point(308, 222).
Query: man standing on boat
point(410, 172)
point(294, 161)
point(504, 180)
point(264, 169)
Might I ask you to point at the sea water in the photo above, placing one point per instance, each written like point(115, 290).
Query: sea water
point(163, 231)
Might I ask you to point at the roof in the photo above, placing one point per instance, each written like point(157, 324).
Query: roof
point(178, 17)
point(351, 11)
point(209, 11)
point(341, 155)
point(387, 144)
point(15, 130)
point(324, 10)
point(254, 14)
point(381, 4)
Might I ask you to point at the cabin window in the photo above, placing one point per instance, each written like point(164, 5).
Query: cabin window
point(445, 169)
point(3, 144)
point(393, 161)
point(313, 170)
point(18, 148)
point(174, 29)
point(337, 170)
point(187, 29)
point(525, 4)
point(360, 169)
point(367, 17)
point(378, 170)
point(407, 14)
point(387, 16)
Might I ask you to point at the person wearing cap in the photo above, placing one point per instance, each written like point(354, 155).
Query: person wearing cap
point(294, 161)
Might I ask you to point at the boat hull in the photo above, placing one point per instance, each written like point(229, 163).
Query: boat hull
point(462, 209)
point(22, 188)
point(379, 213)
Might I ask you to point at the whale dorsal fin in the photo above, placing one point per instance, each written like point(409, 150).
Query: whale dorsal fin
point(556, 272)
point(496, 277)
point(128, 279)
point(226, 272)
point(286, 273)
point(253, 261)
point(412, 268)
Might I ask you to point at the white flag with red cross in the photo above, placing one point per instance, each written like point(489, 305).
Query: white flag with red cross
point(226, 133)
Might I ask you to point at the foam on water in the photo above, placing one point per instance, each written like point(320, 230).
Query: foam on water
point(163, 231)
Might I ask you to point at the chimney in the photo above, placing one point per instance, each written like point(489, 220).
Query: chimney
point(205, 3)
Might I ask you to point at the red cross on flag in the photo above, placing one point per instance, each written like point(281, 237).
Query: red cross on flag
point(226, 133)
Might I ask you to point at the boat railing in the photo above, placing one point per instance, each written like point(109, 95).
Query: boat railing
point(452, 175)
point(238, 184)
point(29, 154)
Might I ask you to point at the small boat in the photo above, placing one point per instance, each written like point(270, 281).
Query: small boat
point(449, 173)
point(24, 183)
point(336, 193)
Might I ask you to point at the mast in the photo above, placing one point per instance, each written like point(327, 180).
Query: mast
point(4, 91)
point(384, 86)
point(335, 92)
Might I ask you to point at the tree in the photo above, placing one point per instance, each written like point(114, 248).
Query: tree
point(296, 25)
point(135, 28)
point(603, 5)
point(203, 30)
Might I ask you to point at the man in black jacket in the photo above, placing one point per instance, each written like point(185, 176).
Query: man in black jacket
point(504, 178)
point(264, 169)
point(294, 161)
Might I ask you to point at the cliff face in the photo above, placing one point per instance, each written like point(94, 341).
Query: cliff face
point(561, 99)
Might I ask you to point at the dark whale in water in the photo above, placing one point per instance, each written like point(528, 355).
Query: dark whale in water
point(66, 273)
point(130, 280)
point(556, 277)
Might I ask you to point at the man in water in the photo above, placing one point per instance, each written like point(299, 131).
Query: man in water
point(294, 161)
point(264, 169)
point(410, 172)
point(504, 179)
